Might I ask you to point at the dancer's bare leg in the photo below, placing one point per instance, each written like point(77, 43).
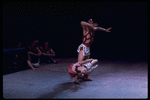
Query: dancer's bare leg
point(80, 55)
point(86, 75)
point(82, 58)
point(87, 57)
point(76, 79)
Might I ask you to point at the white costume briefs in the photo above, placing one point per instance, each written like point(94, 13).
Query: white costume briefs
point(86, 50)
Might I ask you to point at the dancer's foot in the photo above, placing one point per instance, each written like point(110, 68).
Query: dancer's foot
point(87, 79)
point(76, 82)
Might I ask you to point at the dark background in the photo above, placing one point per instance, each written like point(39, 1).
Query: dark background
point(59, 24)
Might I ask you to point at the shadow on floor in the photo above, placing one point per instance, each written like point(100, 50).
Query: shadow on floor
point(60, 88)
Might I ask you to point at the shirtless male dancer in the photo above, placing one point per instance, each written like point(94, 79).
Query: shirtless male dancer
point(88, 36)
point(83, 50)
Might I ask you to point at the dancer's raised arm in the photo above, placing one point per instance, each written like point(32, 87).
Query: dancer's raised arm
point(102, 29)
point(83, 23)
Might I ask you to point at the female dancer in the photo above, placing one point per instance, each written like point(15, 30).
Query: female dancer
point(82, 69)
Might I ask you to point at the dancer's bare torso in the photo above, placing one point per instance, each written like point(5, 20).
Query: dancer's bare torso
point(88, 35)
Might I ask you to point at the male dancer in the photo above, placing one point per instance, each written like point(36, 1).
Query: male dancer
point(82, 69)
point(88, 37)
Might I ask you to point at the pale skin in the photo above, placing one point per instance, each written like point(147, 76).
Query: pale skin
point(88, 30)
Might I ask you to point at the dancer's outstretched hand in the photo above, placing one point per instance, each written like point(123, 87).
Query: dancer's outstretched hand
point(107, 30)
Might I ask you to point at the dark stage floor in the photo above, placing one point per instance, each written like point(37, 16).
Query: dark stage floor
point(110, 80)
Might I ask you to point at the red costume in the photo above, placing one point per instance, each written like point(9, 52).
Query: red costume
point(72, 73)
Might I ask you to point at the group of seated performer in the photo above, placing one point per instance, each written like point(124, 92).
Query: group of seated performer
point(37, 54)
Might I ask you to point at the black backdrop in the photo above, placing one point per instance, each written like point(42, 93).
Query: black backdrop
point(59, 24)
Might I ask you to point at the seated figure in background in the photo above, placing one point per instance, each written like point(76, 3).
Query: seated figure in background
point(34, 54)
point(48, 54)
